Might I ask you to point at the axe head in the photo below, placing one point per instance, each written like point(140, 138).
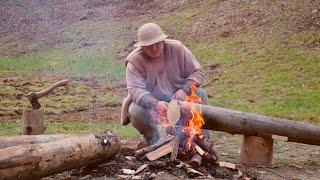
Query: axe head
point(32, 97)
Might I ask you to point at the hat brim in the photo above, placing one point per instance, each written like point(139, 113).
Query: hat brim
point(141, 44)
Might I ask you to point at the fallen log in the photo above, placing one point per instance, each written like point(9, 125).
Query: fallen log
point(237, 122)
point(129, 145)
point(30, 139)
point(39, 160)
point(8, 141)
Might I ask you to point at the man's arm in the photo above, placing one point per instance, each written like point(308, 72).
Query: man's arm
point(193, 72)
point(137, 88)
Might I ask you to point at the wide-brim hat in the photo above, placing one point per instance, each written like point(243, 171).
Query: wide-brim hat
point(149, 34)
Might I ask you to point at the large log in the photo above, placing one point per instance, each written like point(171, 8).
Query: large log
point(237, 122)
point(39, 160)
point(8, 141)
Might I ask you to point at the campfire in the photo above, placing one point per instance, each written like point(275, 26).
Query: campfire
point(183, 136)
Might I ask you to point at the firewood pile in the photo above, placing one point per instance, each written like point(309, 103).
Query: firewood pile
point(126, 166)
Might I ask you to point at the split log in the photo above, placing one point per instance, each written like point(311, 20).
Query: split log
point(32, 122)
point(227, 164)
point(237, 122)
point(39, 160)
point(160, 142)
point(161, 151)
point(30, 139)
point(198, 149)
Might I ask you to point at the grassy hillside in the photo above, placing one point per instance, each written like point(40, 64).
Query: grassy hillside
point(259, 56)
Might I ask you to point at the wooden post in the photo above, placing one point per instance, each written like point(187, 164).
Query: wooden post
point(32, 122)
point(256, 151)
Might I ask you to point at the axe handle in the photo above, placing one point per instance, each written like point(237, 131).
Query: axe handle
point(52, 87)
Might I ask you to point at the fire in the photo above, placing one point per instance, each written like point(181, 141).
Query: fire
point(196, 122)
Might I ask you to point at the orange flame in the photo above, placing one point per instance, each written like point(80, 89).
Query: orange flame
point(196, 122)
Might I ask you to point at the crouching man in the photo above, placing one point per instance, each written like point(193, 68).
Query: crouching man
point(157, 71)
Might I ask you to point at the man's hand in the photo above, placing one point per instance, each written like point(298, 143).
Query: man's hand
point(162, 107)
point(180, 95)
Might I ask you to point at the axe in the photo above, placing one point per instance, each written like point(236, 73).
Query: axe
point(34, 96)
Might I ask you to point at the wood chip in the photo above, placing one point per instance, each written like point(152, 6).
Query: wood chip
point(128, 171)
point(142, 167)
point(227, 165)
point(130, 158)
point(122, 176)
point(190, 170)
point(183, 165)
point(136, 177)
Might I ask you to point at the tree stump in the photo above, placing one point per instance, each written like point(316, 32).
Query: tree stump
point(32, 122)
point(256, 151)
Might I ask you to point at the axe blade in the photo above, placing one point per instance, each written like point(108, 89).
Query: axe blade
point(32, 97)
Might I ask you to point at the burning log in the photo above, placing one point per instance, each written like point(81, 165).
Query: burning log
point(38, 160)
point(237, 122)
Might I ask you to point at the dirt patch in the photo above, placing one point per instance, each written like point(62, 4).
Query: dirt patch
point(164, 168)
point(101, 114)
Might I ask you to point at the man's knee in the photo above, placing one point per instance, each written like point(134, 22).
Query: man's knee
point(202, 93)
point(137, 112)
point(141, 119)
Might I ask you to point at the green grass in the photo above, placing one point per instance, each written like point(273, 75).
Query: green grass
point(260, 72)
point(75, 64)
point(263, 76)
point(10, 128)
